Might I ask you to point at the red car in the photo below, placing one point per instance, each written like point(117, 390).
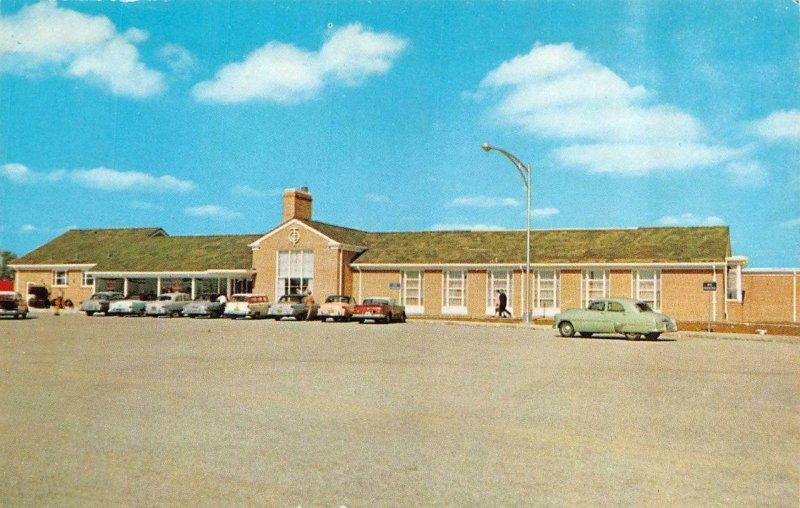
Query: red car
point(379, 310)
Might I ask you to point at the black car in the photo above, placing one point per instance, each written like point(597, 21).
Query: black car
point(38, 297)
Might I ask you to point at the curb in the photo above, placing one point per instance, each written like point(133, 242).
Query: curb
point(679, 335)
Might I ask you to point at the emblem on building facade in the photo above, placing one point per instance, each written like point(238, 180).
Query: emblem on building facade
point(294, 236)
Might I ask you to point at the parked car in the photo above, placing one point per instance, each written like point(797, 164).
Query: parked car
point(243, 305)
point(38, 297)
point(12, 304)
point(206, 305)
point(131, 305)
point(631, 318)
point(379, 309)
point(99, 302)
point(291, 306)
point(337, 308)
point(168, 304)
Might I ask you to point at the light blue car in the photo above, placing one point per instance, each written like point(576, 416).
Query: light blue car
point(632, 318)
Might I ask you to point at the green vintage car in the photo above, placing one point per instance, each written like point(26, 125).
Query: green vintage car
point(632, 318)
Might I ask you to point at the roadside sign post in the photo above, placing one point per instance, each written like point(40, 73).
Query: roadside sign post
point(710, 287)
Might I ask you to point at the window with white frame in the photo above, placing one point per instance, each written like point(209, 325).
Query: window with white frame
point(733, 283)
point(499, 280)
point(87, 279)
point(594, 284)
point(547, 292)
point(59, 278)
point(647, 287)
point(412, 295)
point(455, 292)
point(295, 272)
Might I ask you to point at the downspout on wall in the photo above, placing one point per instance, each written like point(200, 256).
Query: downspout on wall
point(360, 278)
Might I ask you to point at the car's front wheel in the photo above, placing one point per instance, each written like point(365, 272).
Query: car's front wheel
point(566, 329)
point(632, 335)
point(652, 336)
point(90, 313)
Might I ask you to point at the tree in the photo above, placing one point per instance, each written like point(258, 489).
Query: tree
point(6, 257)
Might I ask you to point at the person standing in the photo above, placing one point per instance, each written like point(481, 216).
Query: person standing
point(497, 303)
point(309, 301)
point(503, 303)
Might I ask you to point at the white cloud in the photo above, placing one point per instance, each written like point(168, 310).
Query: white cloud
point(212, 211)
point(98, 178)
point(284, 73)
point(27, 228)
point(545, 212)
point(791, 224)
point(246, 190)
point(483, 202)
point(179, 59)
point(466, 227)
point(557, 91)
point(16, 173)
point(780, 125)
point(641, 159)
point(111, 179)
point(746, 174)
point(376, 198)
point(690, 219)
point(44, 38)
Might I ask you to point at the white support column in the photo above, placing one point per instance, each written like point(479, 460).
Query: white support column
point(158, 285)
point(714, 300)
point(228, 287)
point(794, 297)
point(194, 291)
point(125, 286)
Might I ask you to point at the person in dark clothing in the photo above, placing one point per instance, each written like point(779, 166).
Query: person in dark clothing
point(503, 302)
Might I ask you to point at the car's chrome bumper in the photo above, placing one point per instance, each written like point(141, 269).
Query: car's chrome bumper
point(369, 316)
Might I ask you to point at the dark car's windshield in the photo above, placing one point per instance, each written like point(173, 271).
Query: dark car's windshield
point(100, 296)
point(376, 301)
point(643, 307)
point(291, 298)
point(164, 298)
point(239, 298)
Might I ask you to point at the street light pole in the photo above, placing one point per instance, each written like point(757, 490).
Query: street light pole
point(524, 172)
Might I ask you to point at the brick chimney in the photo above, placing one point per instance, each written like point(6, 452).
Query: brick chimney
point(296, 204)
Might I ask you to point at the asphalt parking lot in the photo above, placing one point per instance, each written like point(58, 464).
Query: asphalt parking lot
point(140, 411)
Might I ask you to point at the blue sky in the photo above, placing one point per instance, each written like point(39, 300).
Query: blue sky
point(194, 115)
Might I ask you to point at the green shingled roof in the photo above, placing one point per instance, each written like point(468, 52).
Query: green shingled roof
point(144, 250)
point(635, 245)
point(151, 250)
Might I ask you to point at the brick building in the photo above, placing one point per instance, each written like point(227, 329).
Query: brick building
point(434, 273)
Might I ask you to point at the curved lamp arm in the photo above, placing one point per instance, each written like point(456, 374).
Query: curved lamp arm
point(524, 171)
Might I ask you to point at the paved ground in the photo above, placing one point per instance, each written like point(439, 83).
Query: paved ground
point(110, 411)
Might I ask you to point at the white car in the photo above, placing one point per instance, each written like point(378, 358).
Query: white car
point(132, 305)
point(168, 304)
point(247, 305)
